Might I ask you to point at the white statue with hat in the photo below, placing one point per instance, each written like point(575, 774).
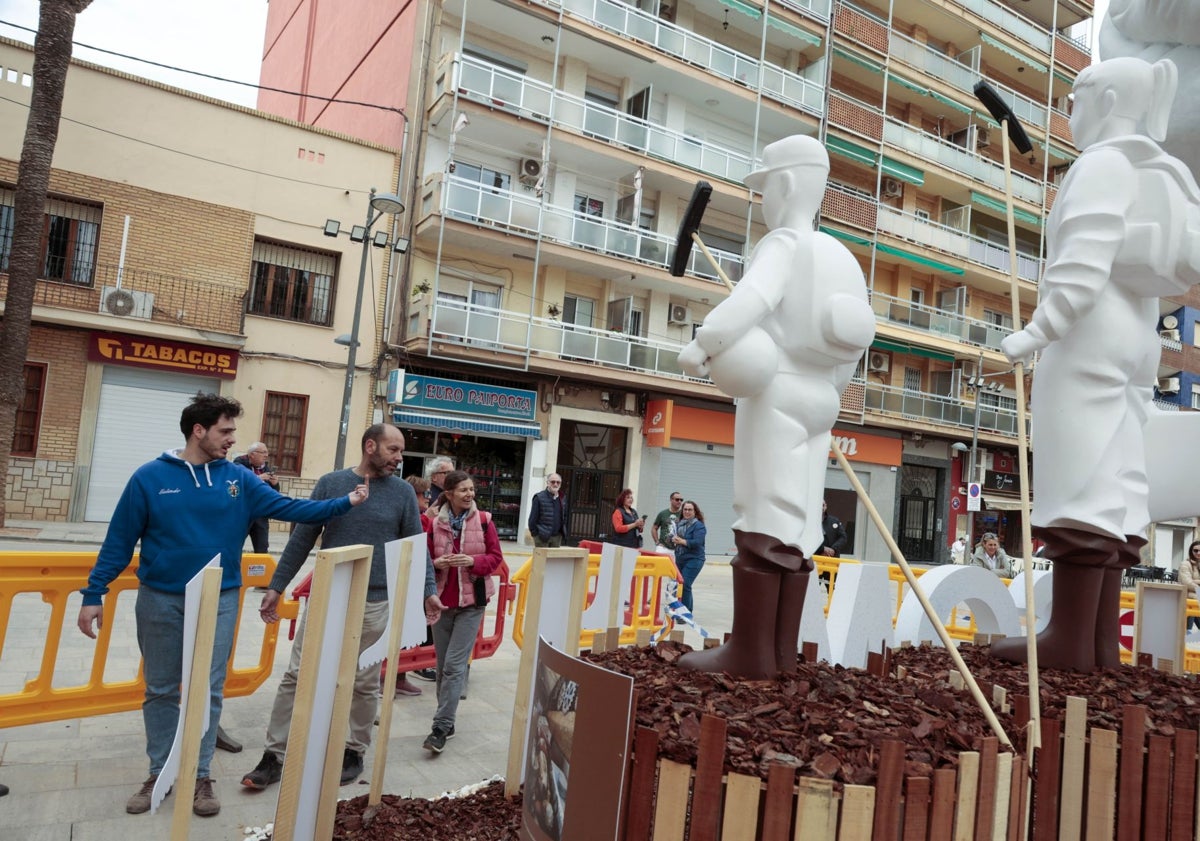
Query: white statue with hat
point(785, 342)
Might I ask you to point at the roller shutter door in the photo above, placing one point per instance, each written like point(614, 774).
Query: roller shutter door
point(707, 479)
point(137, 419)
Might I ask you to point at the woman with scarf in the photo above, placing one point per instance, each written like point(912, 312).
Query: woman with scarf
point(690, 532)
point(466, 552)
point(1189, 576)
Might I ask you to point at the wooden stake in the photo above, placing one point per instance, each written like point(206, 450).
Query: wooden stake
point(403, 574)
point(938, 625)
point(1035, 705)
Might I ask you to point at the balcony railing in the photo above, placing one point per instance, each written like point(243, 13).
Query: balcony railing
point(806, 92)
point(956, 158)
point(962, 76)
point(953, 241)
point(1010, 21)
point(818, 8)
point(472, 325)
point(199, 302)
point(937, 322)
point(497, 87)
point(921, 405)
point(524, 214)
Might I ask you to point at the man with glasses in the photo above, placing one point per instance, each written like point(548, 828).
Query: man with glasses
point(663, 528)
point(255, 460)
point(439, 469)
point(548, 514)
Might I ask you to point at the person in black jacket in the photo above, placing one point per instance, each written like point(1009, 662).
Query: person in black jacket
point(835, 534)
point(548, 514)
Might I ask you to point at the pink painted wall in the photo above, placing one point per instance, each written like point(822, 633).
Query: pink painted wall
point(359, 50)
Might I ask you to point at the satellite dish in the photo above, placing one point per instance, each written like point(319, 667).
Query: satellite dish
point(1170, 322)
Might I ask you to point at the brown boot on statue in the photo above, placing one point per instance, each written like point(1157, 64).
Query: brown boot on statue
point(1108, 614)
point(1069, 640)
point(792, 588)
point(750, 652)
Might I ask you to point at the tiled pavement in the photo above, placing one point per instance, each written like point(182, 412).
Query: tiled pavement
point(70, 779)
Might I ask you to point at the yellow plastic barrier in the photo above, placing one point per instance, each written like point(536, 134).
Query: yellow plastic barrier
point(56, 577)
point(645, 611)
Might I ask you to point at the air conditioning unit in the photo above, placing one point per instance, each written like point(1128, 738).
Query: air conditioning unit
point(878, 362)
point(679, 314)
point(1168, 385)
point(126, 303)
point(531, 171)
point(1171, 335)
point(983, 137)
point(892, 188)
point(1170, 322)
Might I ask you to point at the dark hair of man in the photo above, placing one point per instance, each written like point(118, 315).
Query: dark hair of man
point(206, 410)
point(375, 433)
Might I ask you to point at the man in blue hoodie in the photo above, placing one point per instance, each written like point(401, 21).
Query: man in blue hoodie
point(186, 507)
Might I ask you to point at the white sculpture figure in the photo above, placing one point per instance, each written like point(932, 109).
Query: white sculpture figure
point(786, 341)
point(1119, 236)
point(1154, 30)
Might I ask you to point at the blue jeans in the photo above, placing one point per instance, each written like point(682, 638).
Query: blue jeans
point(160, 638)
point(689, 571)
point(453, 640)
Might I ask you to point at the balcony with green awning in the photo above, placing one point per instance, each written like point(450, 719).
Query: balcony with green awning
point(863, 155)
point(984, 200)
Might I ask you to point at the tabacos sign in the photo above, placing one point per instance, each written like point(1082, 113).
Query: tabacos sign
point(162, 355)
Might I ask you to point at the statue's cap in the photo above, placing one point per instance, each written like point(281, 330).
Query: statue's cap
point(795, 151)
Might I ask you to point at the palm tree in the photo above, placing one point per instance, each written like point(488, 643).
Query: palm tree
point(52, 57)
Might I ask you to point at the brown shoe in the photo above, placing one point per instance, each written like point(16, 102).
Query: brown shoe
point(204, 802)
point(140, 802)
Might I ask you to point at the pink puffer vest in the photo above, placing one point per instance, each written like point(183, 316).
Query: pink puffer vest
point(471, 543)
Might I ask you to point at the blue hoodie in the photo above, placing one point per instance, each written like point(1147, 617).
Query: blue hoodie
point(185, 514)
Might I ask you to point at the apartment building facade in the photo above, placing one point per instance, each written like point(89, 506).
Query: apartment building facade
point(183, 251)
point(552, 147)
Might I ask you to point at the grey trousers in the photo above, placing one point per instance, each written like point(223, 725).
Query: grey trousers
point(364, 704)
point(453, 640)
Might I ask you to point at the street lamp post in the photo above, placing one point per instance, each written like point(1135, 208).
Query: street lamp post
point(377, 206)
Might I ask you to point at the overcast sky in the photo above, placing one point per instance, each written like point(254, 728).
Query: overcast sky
point(219, 37)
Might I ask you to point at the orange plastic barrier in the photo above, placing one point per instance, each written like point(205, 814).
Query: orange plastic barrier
point(422, 656)
point(56, 576)
point(645, 610)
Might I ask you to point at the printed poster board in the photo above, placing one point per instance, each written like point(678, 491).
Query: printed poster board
point(576, 749)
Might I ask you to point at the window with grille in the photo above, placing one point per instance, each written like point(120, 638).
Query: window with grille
point(296, 284)
point(29, 411)
point(69, 234)
point(284, 419)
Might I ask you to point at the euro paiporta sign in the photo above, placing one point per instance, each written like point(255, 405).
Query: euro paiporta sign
point(974, 496)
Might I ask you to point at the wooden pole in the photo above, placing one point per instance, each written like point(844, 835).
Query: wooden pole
point(403, 573)
point(1031, 655)
point(198, 688)
point(947, 642)
point(938, 625)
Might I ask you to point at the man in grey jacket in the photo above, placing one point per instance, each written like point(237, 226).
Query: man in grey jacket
point(389, 513)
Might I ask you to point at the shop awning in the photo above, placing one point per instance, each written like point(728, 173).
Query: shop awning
point(903, 171)
point(984, 200)
point(458, 423)
point(853, 151)
point(1017, 54)
point(848, 237)
point(1002, 503)
point(915, 350)
point(919, 260)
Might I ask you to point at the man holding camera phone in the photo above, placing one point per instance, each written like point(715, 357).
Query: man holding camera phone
point(255, 460)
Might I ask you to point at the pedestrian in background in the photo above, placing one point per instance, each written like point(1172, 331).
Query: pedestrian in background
point(465, 550)
point(255, 460)
point(989, 554)
point(1189, 576)
point(662, 530)
point(626, 522)
point(548, 514)
point(690, 533)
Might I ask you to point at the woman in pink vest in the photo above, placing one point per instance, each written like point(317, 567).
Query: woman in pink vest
point(466, 552)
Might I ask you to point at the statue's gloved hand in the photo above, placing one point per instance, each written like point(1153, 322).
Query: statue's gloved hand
point(693, 359)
